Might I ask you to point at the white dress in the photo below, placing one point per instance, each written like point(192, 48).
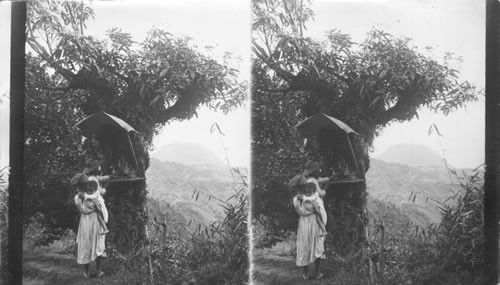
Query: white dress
point(310, 241)
point(90, 242)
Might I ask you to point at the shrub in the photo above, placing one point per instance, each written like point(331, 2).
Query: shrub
point(68, 242)
point(214, 254)
point(460, 236)
point(35, 232)
point(450, 252)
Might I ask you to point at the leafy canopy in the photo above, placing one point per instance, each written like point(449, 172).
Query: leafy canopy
point(383, 79)
point(163, 78)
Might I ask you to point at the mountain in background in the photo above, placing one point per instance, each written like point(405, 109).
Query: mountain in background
point(413, 179)
point(190, 183)
point(411, 154)
point(194, 191)
point(398, 184)
point(187, 154)
point(416, 191)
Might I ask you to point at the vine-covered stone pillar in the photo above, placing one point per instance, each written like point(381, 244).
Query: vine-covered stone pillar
point(346, 208)
point(126, 202)
point(345, 201)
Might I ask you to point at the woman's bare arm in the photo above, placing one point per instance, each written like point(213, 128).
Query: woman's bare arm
point(103, 178)
point(322, 180)
point(300, 209)
point(81, 207)
point(321, 192)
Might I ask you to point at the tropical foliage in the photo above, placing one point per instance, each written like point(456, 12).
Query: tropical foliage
point(367, 85)
point(70, 75)
point(450, 252)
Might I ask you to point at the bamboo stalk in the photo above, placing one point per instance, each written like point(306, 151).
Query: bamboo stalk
point(381, 259)
point(164, 230)
point(149, 256)
point(367, 256)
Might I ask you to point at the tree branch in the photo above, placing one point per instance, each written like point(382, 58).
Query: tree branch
point(301, 20)
point(40, 50)
point(294, 26)
point(73, 22)
point(268, 45)
point(300, 82)
point(285, 74)
point(259, 52)
point(181, 108)
point(48, 43)
point(399, 111)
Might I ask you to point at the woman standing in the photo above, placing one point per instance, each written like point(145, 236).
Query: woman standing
point(91, 244)
point(310, 237)
point(310, 241)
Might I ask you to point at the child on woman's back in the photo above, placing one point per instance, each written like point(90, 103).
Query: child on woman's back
point(313, 202)
point(93, 200)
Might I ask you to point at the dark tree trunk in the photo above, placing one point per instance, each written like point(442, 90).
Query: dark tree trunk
point(347, 219)
point(127, 216)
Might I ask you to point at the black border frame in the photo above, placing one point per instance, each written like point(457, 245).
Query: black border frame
point(16, 146)
point(492, 142)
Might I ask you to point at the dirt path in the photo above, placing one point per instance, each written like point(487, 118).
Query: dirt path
point(276, 266)
point(51, 265)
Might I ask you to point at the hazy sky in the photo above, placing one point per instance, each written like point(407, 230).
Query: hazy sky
point(454, 26)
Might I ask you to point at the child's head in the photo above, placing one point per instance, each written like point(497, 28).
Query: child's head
point(309, 189)
point(91, 187)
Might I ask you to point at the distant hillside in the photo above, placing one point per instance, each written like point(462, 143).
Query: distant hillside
point(411, 154)
point(395, 220)
point(395, 183)
point(187, 154)
point(177, 185)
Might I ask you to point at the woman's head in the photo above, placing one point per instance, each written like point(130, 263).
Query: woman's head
point(79, 181)
point(312, 168)
point(92, 167)
point(296, 184)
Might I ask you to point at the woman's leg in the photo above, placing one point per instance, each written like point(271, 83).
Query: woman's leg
point(306, 272)
point(98, 262)
point(316, 267)
point(87, 267)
